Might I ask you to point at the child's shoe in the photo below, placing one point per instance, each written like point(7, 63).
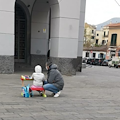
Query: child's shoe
point(21, 93)
point(44, 95)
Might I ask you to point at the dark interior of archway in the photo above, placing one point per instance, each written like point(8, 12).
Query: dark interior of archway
point(20, 34)
point(21, 45)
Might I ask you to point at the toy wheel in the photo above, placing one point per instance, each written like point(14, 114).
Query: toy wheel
point(31, 95)
point(40, 93)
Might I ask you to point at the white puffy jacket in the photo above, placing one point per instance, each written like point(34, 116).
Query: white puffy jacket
point(38, 76)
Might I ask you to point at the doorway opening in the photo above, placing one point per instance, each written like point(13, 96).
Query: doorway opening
point(20, 34)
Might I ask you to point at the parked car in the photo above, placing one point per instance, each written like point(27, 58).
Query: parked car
point(113, 62)
point(105, 62)
point(118, 65)
point(90, 60)
point(98, 61)
point(84, 60)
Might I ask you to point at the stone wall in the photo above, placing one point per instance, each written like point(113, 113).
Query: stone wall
point(38, 60)
point(6, 64)
point(67, 66)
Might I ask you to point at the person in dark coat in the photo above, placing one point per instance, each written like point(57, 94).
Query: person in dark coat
point(55, 82)
point(48, 55)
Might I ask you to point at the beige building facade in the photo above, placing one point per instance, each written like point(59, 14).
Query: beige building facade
point(89, 33)
point(114, 41)
point(105, 34)
point(99, 37)
point(102, 36)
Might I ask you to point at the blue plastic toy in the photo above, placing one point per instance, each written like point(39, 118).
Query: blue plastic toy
point(26, 91)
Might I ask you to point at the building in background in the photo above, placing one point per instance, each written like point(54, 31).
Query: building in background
point(99, 37)
point(89, 33)
point(113, 41)
point(95, 52)
point(105, 35)
point(102, 36)
point(29, 28)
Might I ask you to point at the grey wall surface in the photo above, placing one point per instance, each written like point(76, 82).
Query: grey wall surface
point(67, 26)
point(6, 27)
point(40, 28)
point(64, 29)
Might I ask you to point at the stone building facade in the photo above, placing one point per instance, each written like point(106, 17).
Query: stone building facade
point(29, 28)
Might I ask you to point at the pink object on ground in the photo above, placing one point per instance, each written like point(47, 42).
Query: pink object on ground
point(37, 88)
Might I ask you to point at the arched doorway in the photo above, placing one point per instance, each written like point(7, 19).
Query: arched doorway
point(20, 34)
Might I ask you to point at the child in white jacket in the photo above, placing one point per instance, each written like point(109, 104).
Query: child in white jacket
point(38, 77)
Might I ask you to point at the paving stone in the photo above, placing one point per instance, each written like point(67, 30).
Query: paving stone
point(90, 95)
point(40, 118)
point(9, 115)
point(23, 114)
point(19, 118)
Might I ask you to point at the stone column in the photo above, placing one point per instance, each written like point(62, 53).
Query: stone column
point(7, 36)
point(64, 35)
point(81, 34)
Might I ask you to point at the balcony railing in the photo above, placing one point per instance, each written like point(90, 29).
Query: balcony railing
point(92, 34)
point(105, 35)
point(112, 45)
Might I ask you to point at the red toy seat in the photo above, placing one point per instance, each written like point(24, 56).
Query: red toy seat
point(37, 88)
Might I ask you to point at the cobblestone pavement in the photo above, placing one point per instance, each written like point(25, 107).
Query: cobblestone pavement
point(93, 94)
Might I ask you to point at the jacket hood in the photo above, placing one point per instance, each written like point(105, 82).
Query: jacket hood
point(38, 69)
point(53, 66)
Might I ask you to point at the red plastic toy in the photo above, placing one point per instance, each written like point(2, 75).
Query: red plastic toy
point(37, 88)
point(27, 78)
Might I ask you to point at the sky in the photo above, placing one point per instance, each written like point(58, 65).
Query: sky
point(99, 11)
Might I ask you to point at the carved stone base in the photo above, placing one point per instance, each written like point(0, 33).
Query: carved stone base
point(6, 64)
point(79, 64)
point(67, 66)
